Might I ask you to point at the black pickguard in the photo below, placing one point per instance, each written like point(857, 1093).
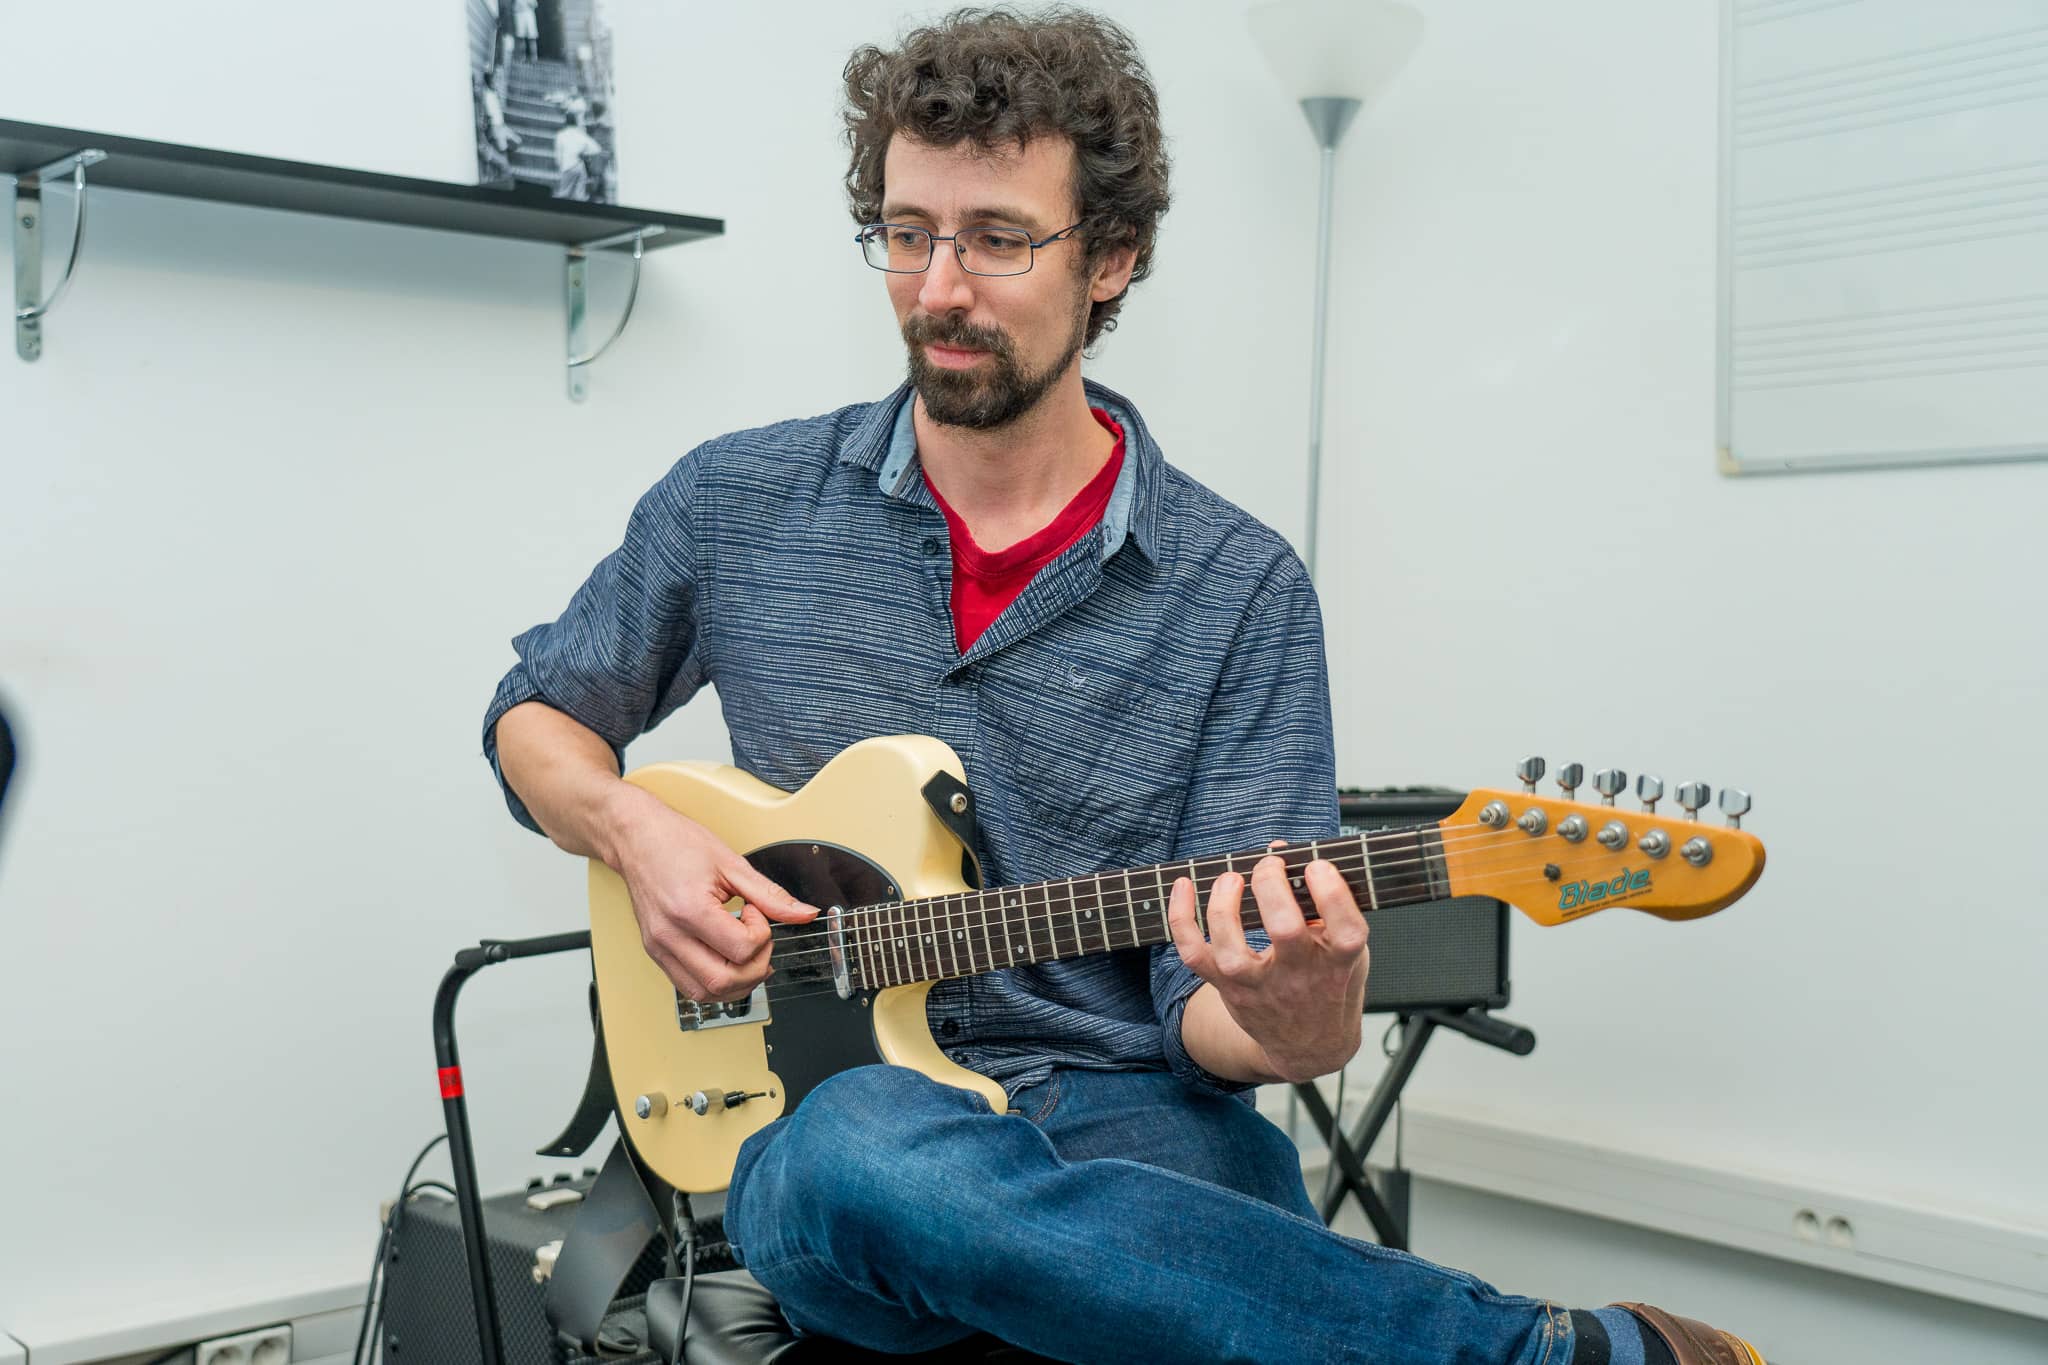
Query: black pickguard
point(812, 1033)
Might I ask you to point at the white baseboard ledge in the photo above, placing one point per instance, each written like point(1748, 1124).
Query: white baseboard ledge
point(1976, 1259)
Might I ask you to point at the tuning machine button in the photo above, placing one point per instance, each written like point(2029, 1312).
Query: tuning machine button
point(1692, 796)
point(1609, 782)
point(1735, 805)
point(1529, 769)
point(1649, 790)
point(1655, 844)
point(1568, 779)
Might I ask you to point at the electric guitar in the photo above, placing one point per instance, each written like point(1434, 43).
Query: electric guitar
point(874, 840)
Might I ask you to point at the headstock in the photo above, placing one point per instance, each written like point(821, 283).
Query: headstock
point(1558, 858)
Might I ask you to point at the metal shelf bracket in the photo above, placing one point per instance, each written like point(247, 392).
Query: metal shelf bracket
point(30, 307)
point(575, 293)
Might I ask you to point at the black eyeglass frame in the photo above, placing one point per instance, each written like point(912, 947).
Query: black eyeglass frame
point(960, 252)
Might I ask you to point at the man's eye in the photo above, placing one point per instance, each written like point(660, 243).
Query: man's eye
point(997, 243)
point(906, 239)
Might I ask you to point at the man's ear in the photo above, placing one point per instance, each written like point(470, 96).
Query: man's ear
point(1113, 274)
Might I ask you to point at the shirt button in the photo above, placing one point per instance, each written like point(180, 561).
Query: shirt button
point(950, 1027)
point(931, 546)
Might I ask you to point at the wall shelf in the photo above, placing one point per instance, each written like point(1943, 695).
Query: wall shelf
point(37, 157)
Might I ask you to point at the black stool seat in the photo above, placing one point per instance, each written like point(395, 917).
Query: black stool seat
point(735, 1321)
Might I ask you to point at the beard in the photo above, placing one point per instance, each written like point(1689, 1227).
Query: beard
point(990, 394)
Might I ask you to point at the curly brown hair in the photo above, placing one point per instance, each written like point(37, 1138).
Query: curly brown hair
point(998, 77)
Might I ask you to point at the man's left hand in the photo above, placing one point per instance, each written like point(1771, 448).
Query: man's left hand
point(1301, 1001)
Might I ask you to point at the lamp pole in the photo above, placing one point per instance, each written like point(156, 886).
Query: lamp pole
point(1328, 117)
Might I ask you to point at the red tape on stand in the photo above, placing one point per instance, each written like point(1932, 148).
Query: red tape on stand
point(451, 1082)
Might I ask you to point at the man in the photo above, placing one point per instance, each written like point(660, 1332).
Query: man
point(1131, 670)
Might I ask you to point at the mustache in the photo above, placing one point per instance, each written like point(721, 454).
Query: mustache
point(924, 329)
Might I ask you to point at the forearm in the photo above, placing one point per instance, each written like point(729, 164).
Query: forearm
point(565, 774)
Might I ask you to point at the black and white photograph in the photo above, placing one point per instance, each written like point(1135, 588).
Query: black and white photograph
point(540, 80)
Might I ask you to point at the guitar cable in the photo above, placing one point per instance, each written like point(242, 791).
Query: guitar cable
point(371, 1329)
point(683, 1230)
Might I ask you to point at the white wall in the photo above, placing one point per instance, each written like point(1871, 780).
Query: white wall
point(281, 489)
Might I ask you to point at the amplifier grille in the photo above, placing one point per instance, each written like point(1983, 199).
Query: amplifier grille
point(1449, 954)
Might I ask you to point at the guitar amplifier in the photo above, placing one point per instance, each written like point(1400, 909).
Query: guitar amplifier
point(1448, 955)
point(428, 1317)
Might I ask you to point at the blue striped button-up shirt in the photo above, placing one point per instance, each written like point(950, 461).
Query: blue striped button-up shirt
point(1157, 692)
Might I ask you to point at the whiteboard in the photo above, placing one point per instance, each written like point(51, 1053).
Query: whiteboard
point(1883, 233)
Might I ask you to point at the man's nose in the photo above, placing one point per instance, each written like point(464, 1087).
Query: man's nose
point(946, 286)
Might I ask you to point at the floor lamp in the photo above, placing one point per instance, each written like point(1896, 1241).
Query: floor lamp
point(1336, 57)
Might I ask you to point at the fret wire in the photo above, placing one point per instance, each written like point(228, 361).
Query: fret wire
point(956, 934)
point(1159, 876)
point(896, 927)
point(1074, 906)
point(1201, 916)
point(860, 948)
point(988, 943)
point(942, 918)
point(1052, 923)
point(1372, 891)
point(960, 940)
point(1102, 911)
point(1130, 908)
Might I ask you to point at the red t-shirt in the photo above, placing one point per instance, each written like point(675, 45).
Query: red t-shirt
point(985, 583)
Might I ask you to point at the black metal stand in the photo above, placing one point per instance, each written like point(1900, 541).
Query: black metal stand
point(455, 1108)
point(1383, 1195)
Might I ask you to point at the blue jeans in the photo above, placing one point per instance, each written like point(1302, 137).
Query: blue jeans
point(1110, 1216)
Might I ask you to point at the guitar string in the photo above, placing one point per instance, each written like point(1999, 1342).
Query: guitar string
point(867, 986)
point(911, 952)
point(905, 930)
point(905, 933)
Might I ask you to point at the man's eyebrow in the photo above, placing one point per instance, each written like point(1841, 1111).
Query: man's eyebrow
point(999, 213)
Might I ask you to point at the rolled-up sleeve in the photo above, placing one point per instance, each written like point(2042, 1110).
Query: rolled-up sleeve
point(1265, 770)
point(626, 651)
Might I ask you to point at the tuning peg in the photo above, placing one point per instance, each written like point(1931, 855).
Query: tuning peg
point(1692, 795)
point(1650, 790)
point(1529, 769)
point(1735, 805)
point(1569, 777)
point(1609, 782)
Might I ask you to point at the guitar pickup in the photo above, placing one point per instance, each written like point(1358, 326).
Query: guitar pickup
point(692, 1016)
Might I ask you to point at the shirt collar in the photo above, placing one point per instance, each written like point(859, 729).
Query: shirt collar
point(885, 440)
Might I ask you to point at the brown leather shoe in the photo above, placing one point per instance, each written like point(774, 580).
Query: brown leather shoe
point(1695, 1343)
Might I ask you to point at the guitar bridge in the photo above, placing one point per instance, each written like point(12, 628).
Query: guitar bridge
point(691, 1015)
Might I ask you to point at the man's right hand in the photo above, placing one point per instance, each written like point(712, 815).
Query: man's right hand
point(680, 876)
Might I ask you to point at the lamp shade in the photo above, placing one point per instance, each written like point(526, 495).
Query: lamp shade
point(1345, 49)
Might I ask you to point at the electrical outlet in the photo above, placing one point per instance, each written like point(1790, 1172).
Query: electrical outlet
point(264, 1346)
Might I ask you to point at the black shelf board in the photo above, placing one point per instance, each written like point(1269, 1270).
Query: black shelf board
point(335, 192)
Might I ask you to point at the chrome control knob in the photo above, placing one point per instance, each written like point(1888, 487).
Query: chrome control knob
point(650, 1106)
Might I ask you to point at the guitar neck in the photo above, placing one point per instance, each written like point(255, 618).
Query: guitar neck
point(933, 938)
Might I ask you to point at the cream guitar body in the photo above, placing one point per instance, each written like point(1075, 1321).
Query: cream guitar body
point(865, 841)
point(664, 1051)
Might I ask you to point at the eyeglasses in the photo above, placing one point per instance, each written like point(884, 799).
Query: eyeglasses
point(902, 249)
